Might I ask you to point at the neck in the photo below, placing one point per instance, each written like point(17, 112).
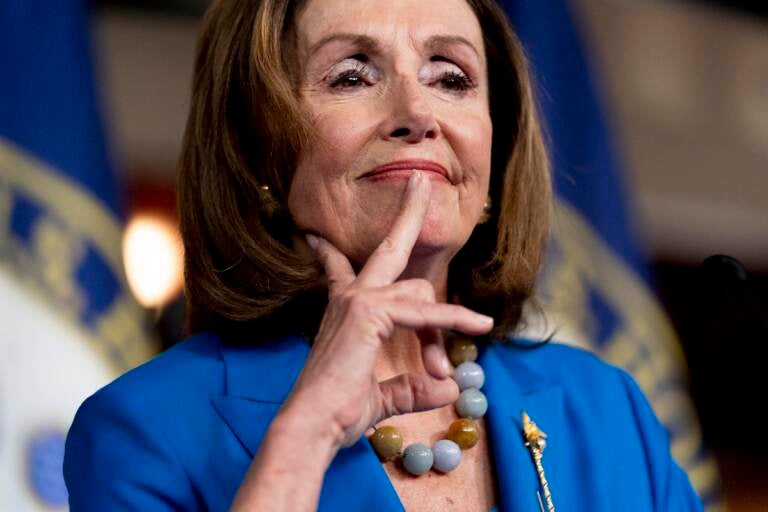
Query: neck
point(402, 352)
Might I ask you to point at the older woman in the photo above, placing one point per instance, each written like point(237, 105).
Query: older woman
point(358, 180)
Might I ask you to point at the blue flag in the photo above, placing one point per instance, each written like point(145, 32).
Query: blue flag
point(595, 286)
point(70, 324)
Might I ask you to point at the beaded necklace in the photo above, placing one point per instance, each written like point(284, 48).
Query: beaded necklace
point(445, 455)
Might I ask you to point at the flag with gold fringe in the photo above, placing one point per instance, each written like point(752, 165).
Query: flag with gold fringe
point(69, 324)
point(596, 285)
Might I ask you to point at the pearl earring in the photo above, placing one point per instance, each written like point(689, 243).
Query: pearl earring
point(486, 211)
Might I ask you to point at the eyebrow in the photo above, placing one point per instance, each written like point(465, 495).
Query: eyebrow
point(369, 44)
point(439, 40)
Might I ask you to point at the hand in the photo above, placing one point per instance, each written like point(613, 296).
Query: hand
point(338, 381)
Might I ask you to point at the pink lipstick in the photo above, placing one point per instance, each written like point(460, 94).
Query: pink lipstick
point(402, 170)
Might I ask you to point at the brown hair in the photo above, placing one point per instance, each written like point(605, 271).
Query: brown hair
point(242, 141)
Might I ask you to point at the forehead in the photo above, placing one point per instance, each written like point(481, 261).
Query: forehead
point(387, 20)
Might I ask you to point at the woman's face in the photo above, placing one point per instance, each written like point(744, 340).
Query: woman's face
point(387, 83)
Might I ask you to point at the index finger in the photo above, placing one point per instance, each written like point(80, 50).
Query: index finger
point(390, 258)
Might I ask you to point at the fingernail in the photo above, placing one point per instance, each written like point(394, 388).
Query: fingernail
point(312, 240)
point(414, 179)
point(488, 320)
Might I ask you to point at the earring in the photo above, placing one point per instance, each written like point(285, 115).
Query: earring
point(486, 211)
point(268, 202)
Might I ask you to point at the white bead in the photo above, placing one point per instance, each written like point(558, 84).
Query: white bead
point(471, 404)
point(469, 375)
point(447, 455)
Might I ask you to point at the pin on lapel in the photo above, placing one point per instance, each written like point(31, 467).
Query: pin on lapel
point(536, 441)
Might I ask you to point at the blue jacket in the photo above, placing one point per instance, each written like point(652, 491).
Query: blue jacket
point(179, 432)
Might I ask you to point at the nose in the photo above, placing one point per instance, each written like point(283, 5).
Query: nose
point(410, 118)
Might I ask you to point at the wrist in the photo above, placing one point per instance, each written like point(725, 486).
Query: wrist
point(299, 424)
point(287, 472)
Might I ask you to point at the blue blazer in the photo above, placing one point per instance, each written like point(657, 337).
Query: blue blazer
point(179, 432)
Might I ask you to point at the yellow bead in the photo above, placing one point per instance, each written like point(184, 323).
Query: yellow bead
point(464, 433)
point(387, 442)
point(461, 349)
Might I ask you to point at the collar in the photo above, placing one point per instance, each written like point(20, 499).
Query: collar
point(263, 373)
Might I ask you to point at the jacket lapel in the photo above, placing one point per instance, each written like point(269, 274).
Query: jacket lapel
point(511, 388)
point(258, 380)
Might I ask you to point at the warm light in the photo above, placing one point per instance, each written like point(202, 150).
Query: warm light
point(153, 259)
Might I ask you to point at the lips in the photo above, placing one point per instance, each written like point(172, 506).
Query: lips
point(402, 169)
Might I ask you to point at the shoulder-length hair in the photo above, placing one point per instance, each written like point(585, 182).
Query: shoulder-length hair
point(241, 145)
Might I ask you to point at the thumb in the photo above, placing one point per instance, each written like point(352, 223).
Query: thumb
point(433, 353)
point(412, 392)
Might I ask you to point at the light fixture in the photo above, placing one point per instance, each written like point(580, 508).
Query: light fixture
point(153, 261)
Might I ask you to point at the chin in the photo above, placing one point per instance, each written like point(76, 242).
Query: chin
point(440, 233)
point(436, 240)
point(444, 230)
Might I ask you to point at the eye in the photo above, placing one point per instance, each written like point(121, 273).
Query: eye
point(349, 79)
point(454, 81)
point(354, 77)
point(451, 77)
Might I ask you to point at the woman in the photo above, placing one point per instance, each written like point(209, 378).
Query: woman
point(339, 161)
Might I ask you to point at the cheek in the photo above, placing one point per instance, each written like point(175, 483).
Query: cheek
point(342, 132)
point(319, 193)
point(470, 136)
point(473, 141)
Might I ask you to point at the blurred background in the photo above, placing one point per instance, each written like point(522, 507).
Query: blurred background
point(670, 97)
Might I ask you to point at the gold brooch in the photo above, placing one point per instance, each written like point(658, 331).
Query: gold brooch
point(536, 441)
